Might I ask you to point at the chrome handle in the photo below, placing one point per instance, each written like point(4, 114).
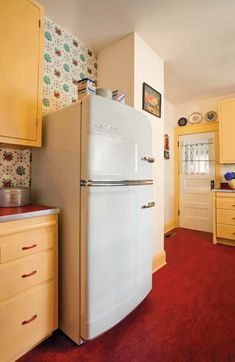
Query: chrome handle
point(29, 274)
point(148, 159)
point(150, 204)
point(29, 320)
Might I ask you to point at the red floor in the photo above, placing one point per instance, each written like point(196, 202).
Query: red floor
point(189, 315)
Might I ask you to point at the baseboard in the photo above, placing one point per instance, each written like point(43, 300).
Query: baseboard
point(169, 226)
point(158, 261)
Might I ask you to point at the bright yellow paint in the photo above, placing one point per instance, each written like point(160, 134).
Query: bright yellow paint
point(21, 72)
point(28, 284)
point(198, 128)
point(227, 130)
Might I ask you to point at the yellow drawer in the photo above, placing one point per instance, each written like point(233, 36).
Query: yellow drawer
point(17, 245)
point(225, 203)
point(25, 320)
point(226, 231)
point(25, 273)
point(226, 217)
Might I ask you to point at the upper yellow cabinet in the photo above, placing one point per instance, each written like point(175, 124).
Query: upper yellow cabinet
point(21, 36)
point(227, 131)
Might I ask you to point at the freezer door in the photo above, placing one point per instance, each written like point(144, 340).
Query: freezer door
point(116, 258)
point(116, 141)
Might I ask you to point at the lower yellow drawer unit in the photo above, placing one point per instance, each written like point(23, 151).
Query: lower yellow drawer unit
point(226, 231)
point(25, 273)
point(25, 320)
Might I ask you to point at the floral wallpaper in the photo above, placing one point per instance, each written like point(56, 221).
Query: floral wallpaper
point(15, 167)
point(66, 60)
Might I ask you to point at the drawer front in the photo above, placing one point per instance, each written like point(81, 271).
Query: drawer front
point(225, 203)
point(226, 231)
point(226, 217)
point(25, 273)
point(26, 320)
point(21, 244)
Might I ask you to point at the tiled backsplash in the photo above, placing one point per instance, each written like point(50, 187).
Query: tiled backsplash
point(66, 60)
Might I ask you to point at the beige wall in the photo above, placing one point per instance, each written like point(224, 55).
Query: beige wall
point(125, 65)
point(116, 67)
point(149, 68)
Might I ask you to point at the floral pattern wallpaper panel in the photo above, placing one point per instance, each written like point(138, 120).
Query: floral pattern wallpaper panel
point(66, 60)
point(15, 167)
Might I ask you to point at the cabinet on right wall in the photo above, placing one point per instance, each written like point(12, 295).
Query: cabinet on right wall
point(227, 131)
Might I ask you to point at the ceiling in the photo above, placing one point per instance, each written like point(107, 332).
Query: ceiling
point(195, 38)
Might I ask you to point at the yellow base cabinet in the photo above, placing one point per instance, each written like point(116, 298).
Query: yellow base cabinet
point(224, 218)
point(21, 36)
point(227, 130)
point(28, 284)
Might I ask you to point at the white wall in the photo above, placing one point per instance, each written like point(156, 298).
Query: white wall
point(125, 65)
point(169, 124)
point(116, 67)
point(149, 68)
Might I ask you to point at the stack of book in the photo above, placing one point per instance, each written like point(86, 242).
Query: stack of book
point(86, 86)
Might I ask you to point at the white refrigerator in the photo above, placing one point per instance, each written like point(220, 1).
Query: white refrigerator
point(96, 165)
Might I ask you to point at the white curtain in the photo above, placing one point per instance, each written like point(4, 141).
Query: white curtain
point(195, 157)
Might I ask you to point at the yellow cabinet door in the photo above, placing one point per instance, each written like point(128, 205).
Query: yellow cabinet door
point(20, 72)
point(227, 131)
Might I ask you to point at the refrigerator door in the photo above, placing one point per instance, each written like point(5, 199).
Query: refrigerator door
point(116, 257)
point(116, 141)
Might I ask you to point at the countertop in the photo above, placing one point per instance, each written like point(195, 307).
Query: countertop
point(25, 212)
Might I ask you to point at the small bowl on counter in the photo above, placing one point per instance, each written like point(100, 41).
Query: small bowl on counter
point(15, 196)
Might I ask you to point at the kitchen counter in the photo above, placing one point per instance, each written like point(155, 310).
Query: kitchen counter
point(25, 212)
point(223, 190)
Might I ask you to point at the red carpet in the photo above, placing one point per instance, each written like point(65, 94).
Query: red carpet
point(189, 315)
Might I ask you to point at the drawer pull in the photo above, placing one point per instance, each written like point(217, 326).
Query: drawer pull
point(29, 247)
point(29, 320)
point(29, 275)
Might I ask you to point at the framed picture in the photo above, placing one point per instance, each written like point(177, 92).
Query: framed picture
point(151, 100)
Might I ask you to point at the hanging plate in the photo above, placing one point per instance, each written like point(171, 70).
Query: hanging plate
point(182, 121)
point(211, 116)
point(195, 118)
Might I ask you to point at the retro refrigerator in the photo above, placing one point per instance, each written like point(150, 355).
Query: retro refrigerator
point(96, 165)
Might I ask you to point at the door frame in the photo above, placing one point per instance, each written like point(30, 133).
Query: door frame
point(193, 129)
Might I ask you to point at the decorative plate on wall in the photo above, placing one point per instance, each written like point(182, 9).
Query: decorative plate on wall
point(195, 118)
point(182, 121)
point(211, 116)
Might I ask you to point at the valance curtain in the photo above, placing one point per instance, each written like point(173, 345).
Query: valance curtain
point(195, 157)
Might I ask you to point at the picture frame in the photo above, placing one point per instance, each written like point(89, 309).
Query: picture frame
point(151, 100)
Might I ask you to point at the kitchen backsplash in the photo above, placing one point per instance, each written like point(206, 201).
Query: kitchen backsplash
point(15, 167)
point(66, 60)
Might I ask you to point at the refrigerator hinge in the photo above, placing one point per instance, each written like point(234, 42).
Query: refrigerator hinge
point(83, 183)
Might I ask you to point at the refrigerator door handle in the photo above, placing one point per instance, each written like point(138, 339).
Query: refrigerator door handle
point(148, 159)
point(150, 204)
